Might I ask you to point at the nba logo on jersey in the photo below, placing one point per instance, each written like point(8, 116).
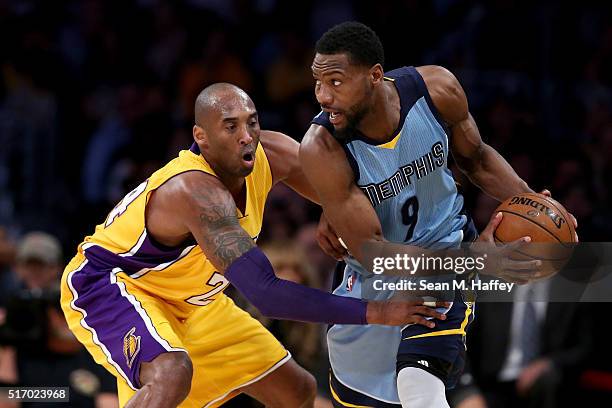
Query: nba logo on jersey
point(131, 346)
point(349, 283)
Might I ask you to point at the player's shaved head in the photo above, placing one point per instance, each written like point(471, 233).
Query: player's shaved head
point(221, 98)
point(226, 129)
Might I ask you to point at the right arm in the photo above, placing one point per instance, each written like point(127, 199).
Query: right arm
point(326, 167)
point(207, 210)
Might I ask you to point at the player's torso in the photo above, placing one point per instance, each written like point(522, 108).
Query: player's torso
point(407, 180)
point(415, 197)
point(177, 274)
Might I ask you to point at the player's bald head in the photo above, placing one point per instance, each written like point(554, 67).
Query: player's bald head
point(220, 98)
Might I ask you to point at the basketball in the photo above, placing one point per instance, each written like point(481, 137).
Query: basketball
point(547, 223)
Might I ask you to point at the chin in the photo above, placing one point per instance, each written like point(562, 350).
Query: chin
point(343, 132)
point(246, 170)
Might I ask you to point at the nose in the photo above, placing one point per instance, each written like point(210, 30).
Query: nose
point(245, 137)
point(323, 95)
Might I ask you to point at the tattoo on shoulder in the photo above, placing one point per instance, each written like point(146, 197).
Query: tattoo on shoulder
point(223, 234)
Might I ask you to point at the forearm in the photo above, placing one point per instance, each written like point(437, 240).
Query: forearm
point(254, 277)
point(493, 175)
point(356, 224)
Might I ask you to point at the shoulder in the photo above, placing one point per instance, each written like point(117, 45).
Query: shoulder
point(445, 91)
point(438, 79)
point(174, 207)
point(324, 159)
point(318, 140)
point(319, 146)
point(185, 187)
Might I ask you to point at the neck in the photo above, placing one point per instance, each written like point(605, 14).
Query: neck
point(380, 122)
point(234, 184)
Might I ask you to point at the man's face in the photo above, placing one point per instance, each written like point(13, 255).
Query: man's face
point(232, 135)
point(37, 274)
point(342, 89)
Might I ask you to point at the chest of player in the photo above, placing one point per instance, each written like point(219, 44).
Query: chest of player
point(407, 181)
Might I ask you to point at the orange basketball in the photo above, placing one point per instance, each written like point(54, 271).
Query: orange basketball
point(547, 223)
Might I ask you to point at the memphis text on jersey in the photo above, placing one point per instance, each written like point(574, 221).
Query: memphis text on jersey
point(419, 168)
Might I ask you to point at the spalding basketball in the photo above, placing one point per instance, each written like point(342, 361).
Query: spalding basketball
point(547, 223)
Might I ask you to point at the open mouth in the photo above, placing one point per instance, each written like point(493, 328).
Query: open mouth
point(335, 117)
point(248, 157)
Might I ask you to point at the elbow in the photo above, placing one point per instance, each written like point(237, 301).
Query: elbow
point(378, 235)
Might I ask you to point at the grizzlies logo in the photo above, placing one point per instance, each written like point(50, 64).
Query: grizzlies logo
point(131, 346)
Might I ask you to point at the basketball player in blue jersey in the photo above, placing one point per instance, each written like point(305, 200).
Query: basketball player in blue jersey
point(144, 293)
point(377, 156)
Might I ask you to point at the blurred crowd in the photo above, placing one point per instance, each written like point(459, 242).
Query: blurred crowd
point(95, 95)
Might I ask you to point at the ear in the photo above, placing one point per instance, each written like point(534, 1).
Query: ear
point(200, 137)
point(376, 74)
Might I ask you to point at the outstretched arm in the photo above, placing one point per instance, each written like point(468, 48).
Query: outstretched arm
point(484, 166)
point(208, 211)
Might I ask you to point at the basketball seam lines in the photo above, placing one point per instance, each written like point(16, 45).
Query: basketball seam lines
point(530, 220)
point(562, 211)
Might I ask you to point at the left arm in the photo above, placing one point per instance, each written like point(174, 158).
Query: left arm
point(282, 152)
point(483, 165)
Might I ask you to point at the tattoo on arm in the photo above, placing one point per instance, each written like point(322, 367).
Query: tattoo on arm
point(223, 236)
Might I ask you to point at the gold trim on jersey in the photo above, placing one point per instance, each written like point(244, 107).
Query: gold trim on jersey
point(460, 330)
point(391, 143)
point(337, 398)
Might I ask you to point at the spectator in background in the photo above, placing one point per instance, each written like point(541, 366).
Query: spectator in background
point(36, 346)
point(7, 255)
point(324, 264)
point(529, 353)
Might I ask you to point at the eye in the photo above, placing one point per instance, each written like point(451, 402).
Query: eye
point(336, 82)
point(253, 122)
point(230, 127)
